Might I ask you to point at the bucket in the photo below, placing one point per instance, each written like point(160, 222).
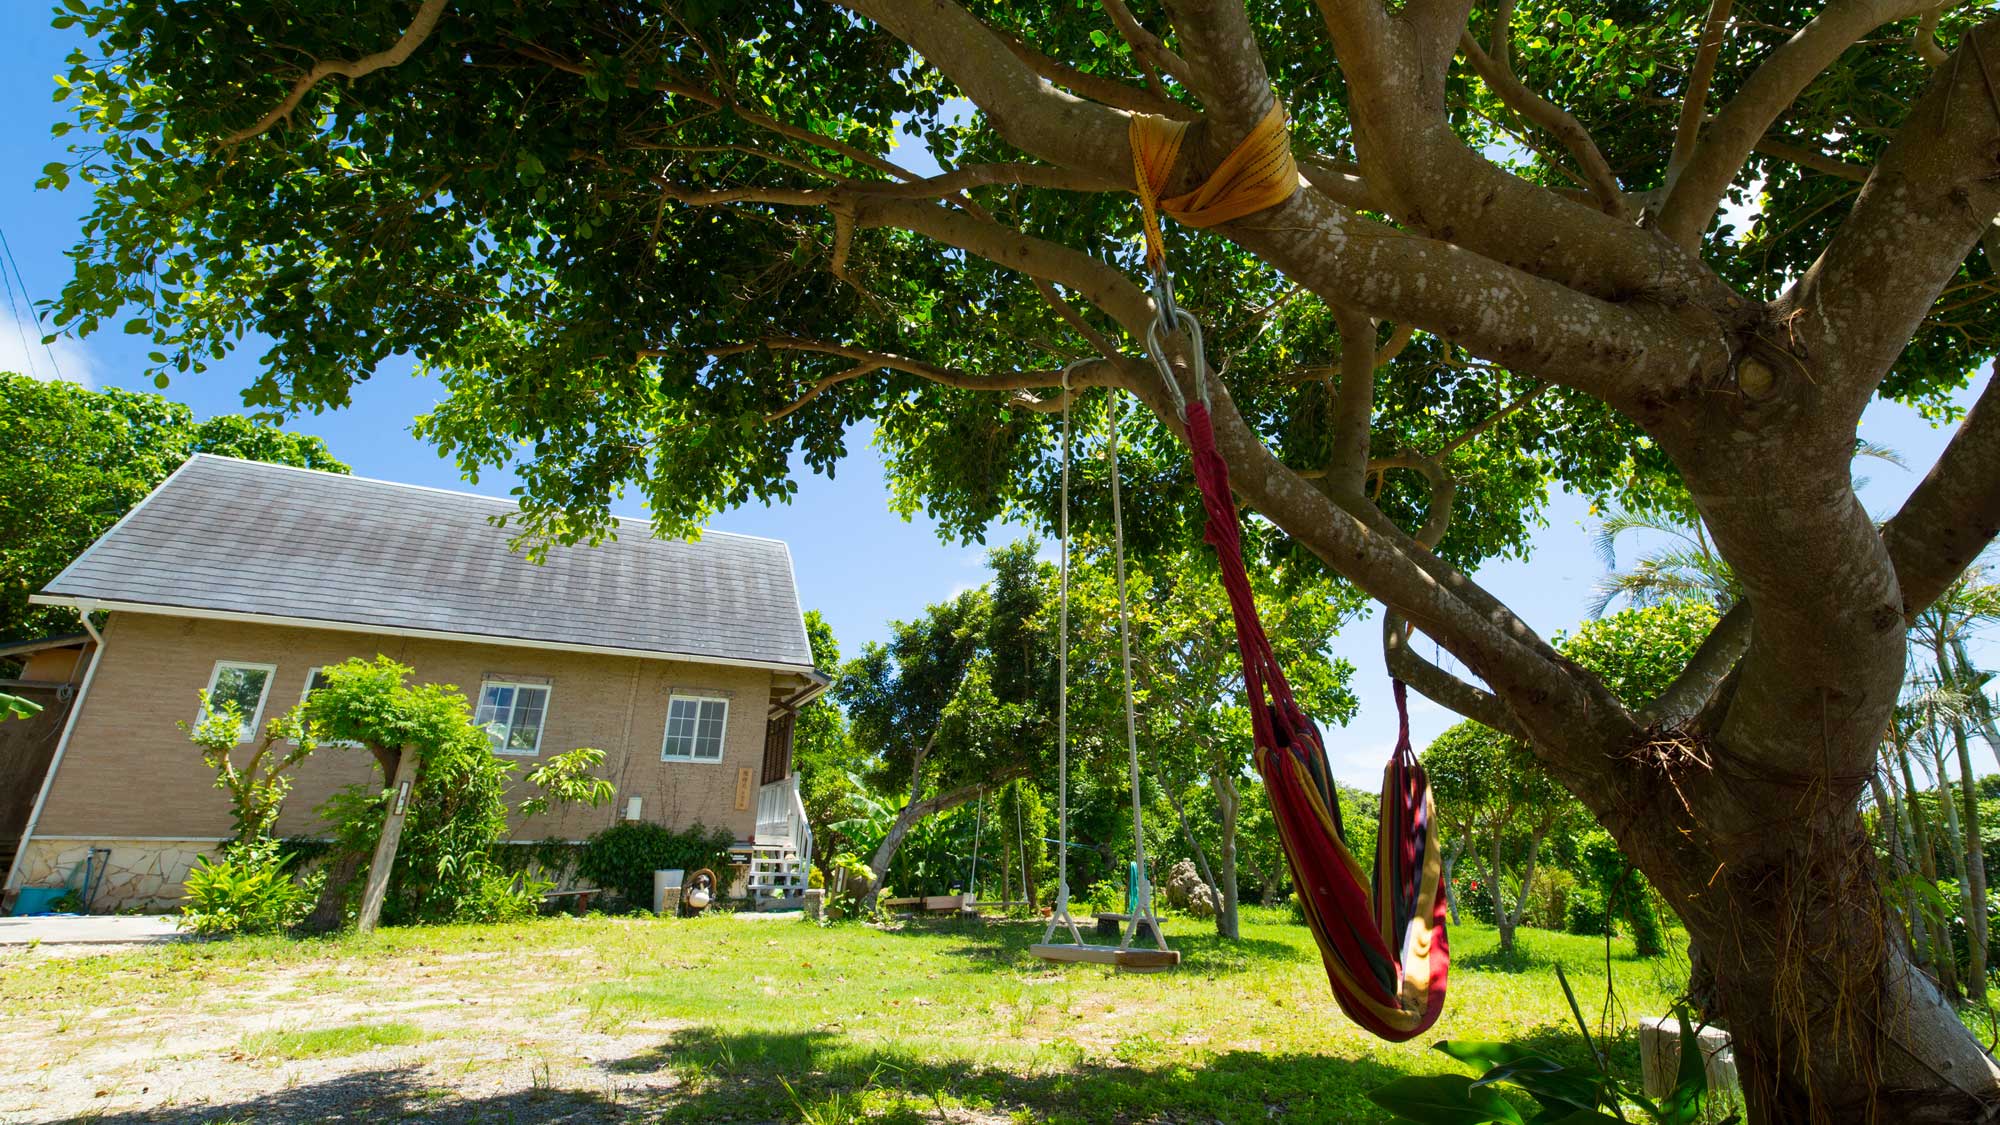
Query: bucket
point(37, 900)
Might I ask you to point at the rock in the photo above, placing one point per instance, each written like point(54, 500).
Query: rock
point(1185, 890)
point(1202, 902)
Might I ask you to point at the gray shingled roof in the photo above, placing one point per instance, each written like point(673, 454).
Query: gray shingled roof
point(246, 537)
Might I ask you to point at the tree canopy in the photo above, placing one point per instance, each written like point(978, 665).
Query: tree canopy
point(1659, 253)
point(73, 460)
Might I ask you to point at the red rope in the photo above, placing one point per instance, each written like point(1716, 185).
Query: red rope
point(1388, 975)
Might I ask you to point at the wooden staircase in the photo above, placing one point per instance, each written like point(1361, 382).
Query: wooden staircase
point(781, 851)
point(778, 876)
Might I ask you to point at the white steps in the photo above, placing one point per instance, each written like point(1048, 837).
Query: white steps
point(778, 877)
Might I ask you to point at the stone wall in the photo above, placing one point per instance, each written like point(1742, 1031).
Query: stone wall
point(138, 875)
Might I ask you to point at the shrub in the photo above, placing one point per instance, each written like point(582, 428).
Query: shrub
point(1586, 913)
point(1548, 902)
point(622, 858)
point(446, 869)
point(247, 891)
point(1102, 897)
point(1475, 898)
point(499, 897)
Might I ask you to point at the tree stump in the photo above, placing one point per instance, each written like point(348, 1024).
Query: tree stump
point(1660, 1056)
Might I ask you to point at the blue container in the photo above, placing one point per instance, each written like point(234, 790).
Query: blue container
point(37, 900)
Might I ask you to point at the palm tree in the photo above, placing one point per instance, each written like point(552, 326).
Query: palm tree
point(1687, 567)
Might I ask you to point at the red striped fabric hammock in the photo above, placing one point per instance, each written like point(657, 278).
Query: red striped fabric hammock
point(1384, 947)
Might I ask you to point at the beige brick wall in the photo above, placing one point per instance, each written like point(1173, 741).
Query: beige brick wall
point(130, 772)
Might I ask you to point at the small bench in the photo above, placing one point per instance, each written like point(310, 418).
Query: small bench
point(1111, 925)
point(1127, 960)
point(578, 904)
point(936, 904)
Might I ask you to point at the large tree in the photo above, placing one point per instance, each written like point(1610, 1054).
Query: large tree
point(958, 703)
point(1193, 715)
point(1637, 248)
point(73, 460)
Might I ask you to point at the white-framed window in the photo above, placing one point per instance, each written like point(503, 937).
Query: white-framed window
point(694, 728)
point(315, 680)
point(513, 714)
point(247, 686)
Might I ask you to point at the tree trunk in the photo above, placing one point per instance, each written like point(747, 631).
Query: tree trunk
point(914, 810)
point(1975, 873)
point(1227, 800)
point(1943, 963)
point(1187, 831)
point(1955, 848)
point(1889, 817)
point(1451, 864)
point(1830, 1020)
point(1501, 919)
point(1528, 875)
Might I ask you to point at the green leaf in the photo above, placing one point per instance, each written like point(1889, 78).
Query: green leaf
point(1443, 1099)
point(1683, 1104)
point(1481, 1053)
point(1581, 1117)
point(1549, 1083)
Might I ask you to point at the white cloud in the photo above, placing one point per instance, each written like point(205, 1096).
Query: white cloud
point(22, 351)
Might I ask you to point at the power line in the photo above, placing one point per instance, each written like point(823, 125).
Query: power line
point(26, 349)
point(14, 313)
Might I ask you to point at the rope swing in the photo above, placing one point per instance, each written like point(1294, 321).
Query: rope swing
point(1384, 946)
point(1123, 955)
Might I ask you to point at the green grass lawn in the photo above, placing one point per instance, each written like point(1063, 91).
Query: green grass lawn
point(731, 1019)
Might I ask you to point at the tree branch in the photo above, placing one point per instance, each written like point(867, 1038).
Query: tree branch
point(1776, 83)
point(1341, 183)
point(1955, 512)
point(1694, 103)
point(1145, 44)
point(1097, 373)
point(1553, 118)
point(1438, 685)
point(1813, 160)
point(1096, 87)
point(1932, 196)
point(1924, 39)
point(421, 26)
point(1415, 161)
point(1353, 403)
point(1515, 317)
point(1710, 665)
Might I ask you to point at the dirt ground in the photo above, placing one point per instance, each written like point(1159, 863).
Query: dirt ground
point(613, 1019)
point(468, 1060)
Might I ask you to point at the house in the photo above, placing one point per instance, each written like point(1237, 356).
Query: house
point(684, 662)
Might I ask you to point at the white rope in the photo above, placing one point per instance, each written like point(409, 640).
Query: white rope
point(978, 824)
point(1142, 890)
point(1061, 915)
point(1142, 886)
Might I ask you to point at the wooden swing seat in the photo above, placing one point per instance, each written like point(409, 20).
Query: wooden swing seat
point(1130, 960)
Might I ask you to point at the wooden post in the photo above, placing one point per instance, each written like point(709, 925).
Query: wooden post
point(385, 846)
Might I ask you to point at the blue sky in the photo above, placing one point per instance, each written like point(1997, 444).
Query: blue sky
point(857, 562)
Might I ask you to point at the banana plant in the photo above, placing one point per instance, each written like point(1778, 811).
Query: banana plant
point(1563, 1094)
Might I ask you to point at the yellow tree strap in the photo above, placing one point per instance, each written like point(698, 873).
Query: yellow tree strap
point(1257, 175)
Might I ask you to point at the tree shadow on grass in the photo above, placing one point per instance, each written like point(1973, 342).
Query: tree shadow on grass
point(1006, 942)
point(737, 1076)
point(702, 1075)
point(398, 1094)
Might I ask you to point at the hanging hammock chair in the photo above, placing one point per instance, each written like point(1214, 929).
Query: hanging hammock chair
point(1383, 940)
